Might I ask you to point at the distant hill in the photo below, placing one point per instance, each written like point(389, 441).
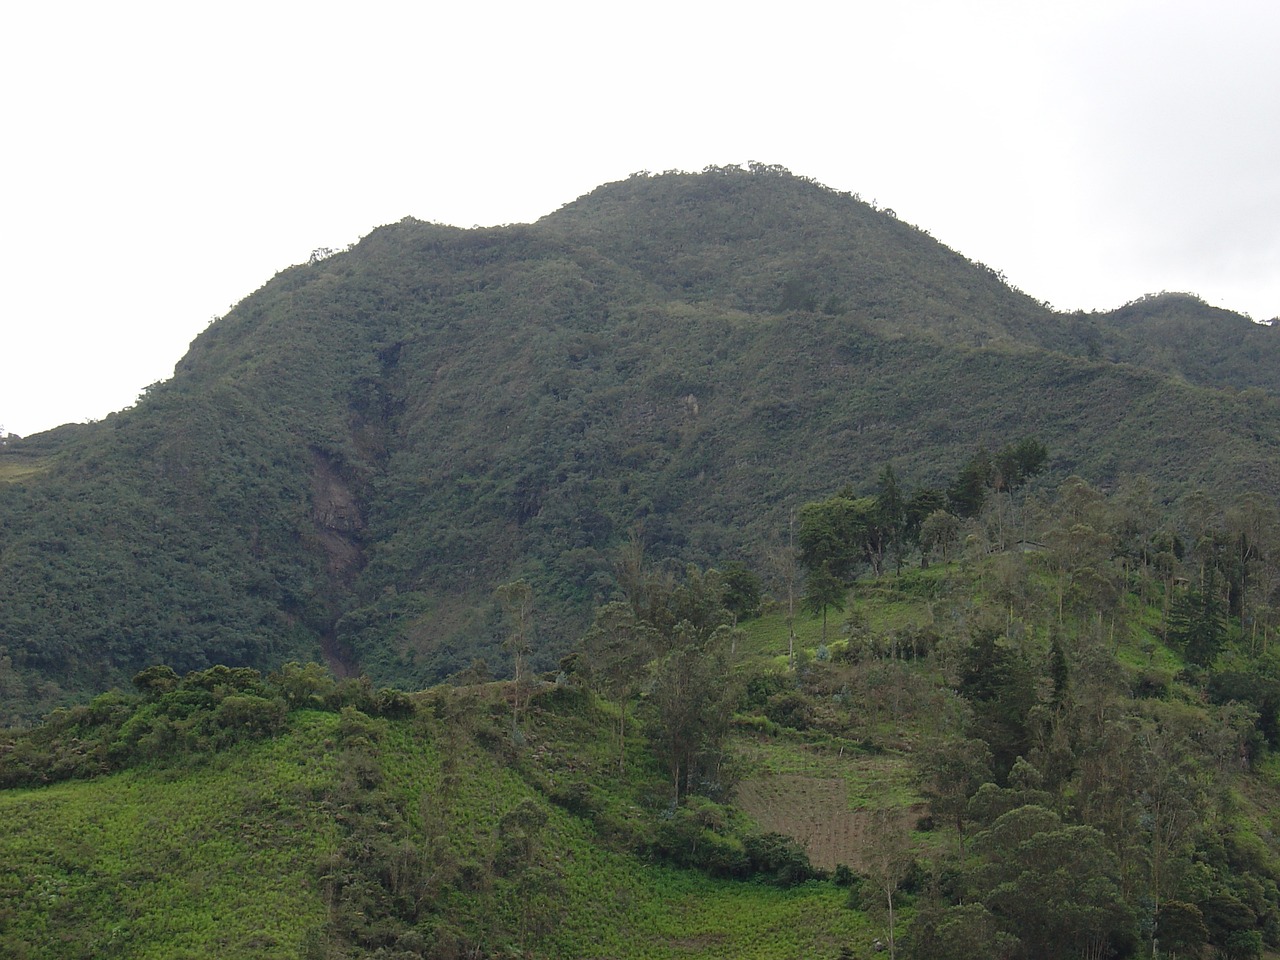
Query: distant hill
point(352, 459)
point(1180, 334)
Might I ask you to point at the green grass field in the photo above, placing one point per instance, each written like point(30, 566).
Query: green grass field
point(14, 469)
point(228, 854)
point(213, 856)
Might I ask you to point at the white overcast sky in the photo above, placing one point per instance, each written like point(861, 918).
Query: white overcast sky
point(161, 161)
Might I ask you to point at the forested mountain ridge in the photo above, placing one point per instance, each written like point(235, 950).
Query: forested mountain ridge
point(1180, 334)
point(359, 452)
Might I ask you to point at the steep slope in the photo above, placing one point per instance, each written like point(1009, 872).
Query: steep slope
point(767, 242)
point(167, 861)
point(349, 834)
point(1180, 334)
point(356, 455)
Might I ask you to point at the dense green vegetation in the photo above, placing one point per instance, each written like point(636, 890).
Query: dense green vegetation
point(199, 854)
point(354, 822)
point(839, 592)
point(1059, 742)
point(350, 461)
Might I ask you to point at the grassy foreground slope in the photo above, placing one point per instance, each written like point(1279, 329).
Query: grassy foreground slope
point(994, 751)
point(170, 860)
point(347, 834)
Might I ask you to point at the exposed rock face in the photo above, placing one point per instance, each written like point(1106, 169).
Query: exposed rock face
point(335, 505)
point(338, 518)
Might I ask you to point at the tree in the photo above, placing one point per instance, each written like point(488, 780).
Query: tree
point(939, 531)
point(617, 648)
point(785, 564)
point(1080, 549)
point(1052, 886)
point(1251, 532)
point(920, 506)
point(741, 590)
point(690, 702)
point(831, 535)
point(1179, 929)
point(157, 680)
point(969, 491)
point(1135, 523)
point(1231, 925)
point(1001, 690)
point(517, 604)
point(1197, 621)
point(698, 601)
point(890, 516)
point(823, 591)
point(646, 588)
point(950, 773)
point(1016, 463)
point(966, 931)
point(1170, 801)
point(302, 685)
point(887, 857)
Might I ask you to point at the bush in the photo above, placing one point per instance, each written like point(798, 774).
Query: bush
point(1150, 684)
point(245, 715)
point(577, 796)
point(724, 856)
point(355, 692)
point(755, 724)
point(393, 704)
point(759, 688)
point(779, 859)
point(790, 709)
point(302, 686)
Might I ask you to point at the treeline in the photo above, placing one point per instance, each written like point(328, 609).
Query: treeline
point(168, 716)
point(1092, 697)
point(840, 534)
point(837, 534)
point(1088, 702)
point(1084, 689)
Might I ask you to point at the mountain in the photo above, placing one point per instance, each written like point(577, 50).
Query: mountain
point(1180, 334)
point(351, 460)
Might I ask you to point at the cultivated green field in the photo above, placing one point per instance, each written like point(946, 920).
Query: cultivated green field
point(213, 855)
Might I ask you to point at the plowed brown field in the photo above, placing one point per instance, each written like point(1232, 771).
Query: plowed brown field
point(820, 810)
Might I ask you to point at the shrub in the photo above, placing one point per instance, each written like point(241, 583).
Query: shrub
point(759, 688)
point(790, 709)
point(393, 704)
point(245, 715)
point(302, 685)
point(779, 859)
point(577, 796)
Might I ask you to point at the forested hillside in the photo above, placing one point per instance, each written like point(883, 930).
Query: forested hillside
point(348, 463)
point(797, 588)
point(1016, 718)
